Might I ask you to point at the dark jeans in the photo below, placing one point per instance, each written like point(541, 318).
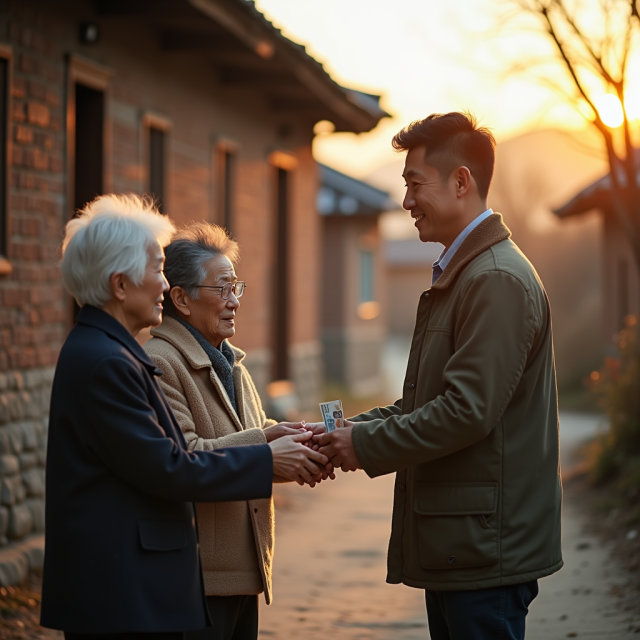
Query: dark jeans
point(169, 635)
point(233, 618)
point(486, 614)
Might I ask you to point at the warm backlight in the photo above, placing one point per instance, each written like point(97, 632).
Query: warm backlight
point(610, 110)
point(368, 310)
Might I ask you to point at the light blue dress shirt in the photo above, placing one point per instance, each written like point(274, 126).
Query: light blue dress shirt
point(447, 254)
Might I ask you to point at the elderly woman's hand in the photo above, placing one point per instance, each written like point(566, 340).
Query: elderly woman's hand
point(283, 429)
point(292, 460)
point(317, 428)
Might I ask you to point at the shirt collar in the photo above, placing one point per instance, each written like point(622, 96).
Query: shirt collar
point(447, 253)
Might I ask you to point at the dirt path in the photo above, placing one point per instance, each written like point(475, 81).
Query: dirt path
point(589, 597)
point(330, 568)
point(331, 564)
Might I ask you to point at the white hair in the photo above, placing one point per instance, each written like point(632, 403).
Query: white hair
point(112, 234)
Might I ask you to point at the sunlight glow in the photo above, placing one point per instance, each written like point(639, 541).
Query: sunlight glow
point(610, 110)
point(632, 104)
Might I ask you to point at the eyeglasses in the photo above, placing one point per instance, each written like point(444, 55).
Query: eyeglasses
point(225, 290)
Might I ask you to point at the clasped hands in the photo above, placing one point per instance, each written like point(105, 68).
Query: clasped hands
point(304, 452)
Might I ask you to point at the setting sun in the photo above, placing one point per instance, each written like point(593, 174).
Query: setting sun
point(610, 110)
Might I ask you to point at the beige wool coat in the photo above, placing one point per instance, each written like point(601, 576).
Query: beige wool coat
point(236, 538)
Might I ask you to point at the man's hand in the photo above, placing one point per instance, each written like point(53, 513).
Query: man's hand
point(338, 447)
point(283, 429)
point(326, 473)
point(292, 460)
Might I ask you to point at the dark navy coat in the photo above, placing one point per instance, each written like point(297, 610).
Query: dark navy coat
point(121, 543)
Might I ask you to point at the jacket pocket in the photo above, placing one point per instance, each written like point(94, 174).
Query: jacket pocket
point(456, 524)
point(162, 535)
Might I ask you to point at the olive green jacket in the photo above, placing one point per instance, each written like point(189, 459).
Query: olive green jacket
point(474, 439)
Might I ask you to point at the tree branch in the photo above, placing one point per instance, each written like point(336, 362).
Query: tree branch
point(570, 68)
point(596, 58)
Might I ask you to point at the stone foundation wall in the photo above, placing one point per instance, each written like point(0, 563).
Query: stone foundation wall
point(24, 414)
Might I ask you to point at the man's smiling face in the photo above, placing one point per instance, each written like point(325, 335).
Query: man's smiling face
point(432, 202)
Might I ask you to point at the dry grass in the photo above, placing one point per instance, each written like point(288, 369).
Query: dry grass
point(20, 612)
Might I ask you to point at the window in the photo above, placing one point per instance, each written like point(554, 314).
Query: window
point(225, 156)
point(368, 308)
point(227, 190)
point(89, 145)
point(283, 167)
point(155, 142)
point(5, 142)
point(281, 278)
point(88, 142)
point(366, 276)
point(157, 166)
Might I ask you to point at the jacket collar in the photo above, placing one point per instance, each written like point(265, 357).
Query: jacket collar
point(485, 235)
point(99, 319)
point(182, 339)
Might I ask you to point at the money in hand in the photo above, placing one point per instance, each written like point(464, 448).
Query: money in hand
point(332, 415)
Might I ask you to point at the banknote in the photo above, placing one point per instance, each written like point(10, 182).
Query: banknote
point(332, 415)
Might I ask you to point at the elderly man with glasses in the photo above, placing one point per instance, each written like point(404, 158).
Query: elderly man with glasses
point(217, 405)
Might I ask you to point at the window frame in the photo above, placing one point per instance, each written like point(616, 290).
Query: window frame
point(224, 183)
point(6, 53)
point(367, 261)
point(283, 174)
point(152, 120)
point(80, 70)
point(368, 310)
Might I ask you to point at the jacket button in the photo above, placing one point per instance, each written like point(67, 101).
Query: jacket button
point(401, 487)
point(426, 294)
point(412, 385)
point(452, 559)
point(255, 511)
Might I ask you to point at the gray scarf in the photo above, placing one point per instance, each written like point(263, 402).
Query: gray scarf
point(222, 359)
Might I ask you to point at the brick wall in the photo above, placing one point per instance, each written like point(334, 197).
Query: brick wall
point(32, 303)
point(34, 309)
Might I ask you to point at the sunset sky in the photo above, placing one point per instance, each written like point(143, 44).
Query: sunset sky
point(423, 56)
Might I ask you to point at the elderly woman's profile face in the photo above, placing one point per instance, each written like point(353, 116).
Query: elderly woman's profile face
point(142, 304)
point(212, 316)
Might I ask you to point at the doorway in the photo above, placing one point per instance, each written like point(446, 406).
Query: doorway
point(88, 152)
point(89, 145)
point(280, 309)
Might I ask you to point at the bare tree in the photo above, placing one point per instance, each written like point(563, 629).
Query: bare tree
point(593, 55)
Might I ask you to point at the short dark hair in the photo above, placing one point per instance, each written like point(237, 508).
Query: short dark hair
point(188, 253)
point(452, 140)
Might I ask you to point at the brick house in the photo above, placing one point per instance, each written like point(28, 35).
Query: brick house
point(205, 105)
point(354, 309)
point(620, 275)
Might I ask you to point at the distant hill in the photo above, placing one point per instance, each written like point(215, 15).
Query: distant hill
point(534, 173)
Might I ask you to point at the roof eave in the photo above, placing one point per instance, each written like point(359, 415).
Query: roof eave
point(348, 112)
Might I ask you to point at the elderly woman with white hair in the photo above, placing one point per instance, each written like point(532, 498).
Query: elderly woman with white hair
point(217, 405)
point(121, 545)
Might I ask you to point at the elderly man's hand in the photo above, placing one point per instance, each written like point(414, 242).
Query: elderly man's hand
point(338, 447)
point(283, 429)
point(292, 460)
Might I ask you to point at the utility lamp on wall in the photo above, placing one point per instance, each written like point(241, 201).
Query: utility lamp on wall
point(89, 33)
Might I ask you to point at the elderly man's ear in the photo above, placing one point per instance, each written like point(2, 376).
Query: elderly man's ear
point(180, 300)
